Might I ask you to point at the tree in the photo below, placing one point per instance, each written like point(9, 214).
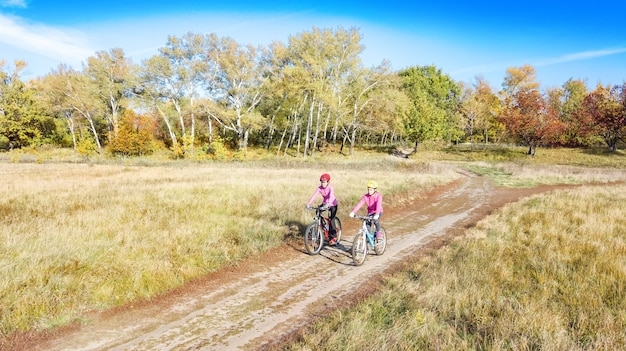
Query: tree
point(321, 64)
point(479, 110)
point(160, 94)
point(22, 120)
point(81, 94)
point(114, 74)
point(239, 86)
point(52, 93)
point(579, 127)
point(135, 135)
point(529, 120)
point(173, 80)
point(607, 108)
point(435, 98)
point(373, 103)
point(386, 106)
point(519, 79)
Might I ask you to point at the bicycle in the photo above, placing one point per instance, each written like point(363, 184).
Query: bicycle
point(366, 238)
point(316, 233)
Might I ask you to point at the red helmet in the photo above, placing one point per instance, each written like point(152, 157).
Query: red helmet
point(325, 177)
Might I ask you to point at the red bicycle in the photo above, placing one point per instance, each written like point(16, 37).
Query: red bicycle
point(316, 233)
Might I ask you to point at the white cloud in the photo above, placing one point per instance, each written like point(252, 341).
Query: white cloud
point(62, 45)
point(579, 56)
point(13, 3)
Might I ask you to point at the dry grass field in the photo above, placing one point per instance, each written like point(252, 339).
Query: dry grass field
point(82, 237)
point(546, 273)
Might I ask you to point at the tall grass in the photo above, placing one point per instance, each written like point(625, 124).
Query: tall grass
point(82, 237)
point(547, 273)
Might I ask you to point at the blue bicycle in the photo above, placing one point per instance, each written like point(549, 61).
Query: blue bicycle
point(366, 239)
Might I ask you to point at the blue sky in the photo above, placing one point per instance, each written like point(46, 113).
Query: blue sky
point(561, 39)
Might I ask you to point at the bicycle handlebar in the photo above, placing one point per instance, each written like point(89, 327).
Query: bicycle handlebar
point(321, 208)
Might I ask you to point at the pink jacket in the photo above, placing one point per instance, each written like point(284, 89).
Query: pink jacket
point(374, 203)
point(328, 195)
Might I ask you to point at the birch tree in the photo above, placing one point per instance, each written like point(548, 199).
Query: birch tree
point(239, 86)
point(175, 78)
point(114, 75)
point(80, 96)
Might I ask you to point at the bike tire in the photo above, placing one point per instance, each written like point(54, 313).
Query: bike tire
point(359, 249)
point(338, 228)
point(381, 246)
point(313, 239)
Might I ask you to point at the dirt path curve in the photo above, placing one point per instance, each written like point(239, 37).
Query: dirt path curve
point(270, 296)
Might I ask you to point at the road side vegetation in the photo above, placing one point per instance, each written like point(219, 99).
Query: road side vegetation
point(547, 273)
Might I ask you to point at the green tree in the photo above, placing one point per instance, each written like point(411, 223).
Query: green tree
point(320, 64)
point(51, 90)
point(377, 104)
point(172, 81)
point(114, 74)
point(80, 96)
point(566, 102)
point(579, 128)
point(435, 98)
point(239, 85)
point(23, 119)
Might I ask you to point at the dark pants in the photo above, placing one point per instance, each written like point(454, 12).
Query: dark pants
point(332, 213)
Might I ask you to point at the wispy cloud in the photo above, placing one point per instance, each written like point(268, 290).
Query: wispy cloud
point(13, 3)
point(579, 56)
point(63, 45)
point(541, 62)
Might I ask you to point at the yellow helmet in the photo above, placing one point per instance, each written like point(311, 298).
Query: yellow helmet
point(372, 184)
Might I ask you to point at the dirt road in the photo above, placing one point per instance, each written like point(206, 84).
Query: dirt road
point(262, 299)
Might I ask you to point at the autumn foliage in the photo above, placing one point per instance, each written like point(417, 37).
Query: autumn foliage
point(607, 108)
point(529, 120)
point(135, 136)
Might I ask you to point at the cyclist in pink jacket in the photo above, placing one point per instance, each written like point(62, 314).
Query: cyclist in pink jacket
point(330, 201)
point(374, 201)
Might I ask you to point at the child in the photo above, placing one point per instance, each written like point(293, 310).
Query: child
point(328, 200)
point(374, 201)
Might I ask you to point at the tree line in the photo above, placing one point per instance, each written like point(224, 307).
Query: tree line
point(203, 94)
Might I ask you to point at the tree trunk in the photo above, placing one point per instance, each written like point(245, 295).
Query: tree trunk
point(309, 126)
point(280, 145)
point(95, 133)
point(169, 128)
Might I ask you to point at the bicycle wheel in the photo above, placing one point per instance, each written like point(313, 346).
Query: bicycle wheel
point(359, 249)
point(381, 244)
point(337, 223)
point(313, 239)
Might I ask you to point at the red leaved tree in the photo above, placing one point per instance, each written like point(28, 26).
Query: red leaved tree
point(529, 120)
point(607, 108)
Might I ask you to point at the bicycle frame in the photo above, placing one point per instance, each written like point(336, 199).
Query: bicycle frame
point(318, 230)
point(322, 221)
point(366, 238)
point(370, 235)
